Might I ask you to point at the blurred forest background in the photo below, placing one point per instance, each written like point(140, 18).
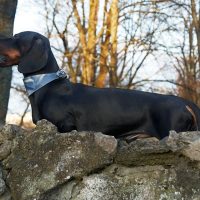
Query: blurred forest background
point(151, 45)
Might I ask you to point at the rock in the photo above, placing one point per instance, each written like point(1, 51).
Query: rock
point(148, 151)
point(2, 186)
point(5, 149)
point(9, 132)
point(63, 192)
point(185, 143)
point(126, 184)
point(46, 165)
point(107, 143)
point(152, 151)
point(2, 183)
point(44, 159)
point(133, 183)
point(6, 196)
point(178, 141)
point(45, 126)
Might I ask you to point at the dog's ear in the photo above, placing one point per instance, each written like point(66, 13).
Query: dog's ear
point(35, 59)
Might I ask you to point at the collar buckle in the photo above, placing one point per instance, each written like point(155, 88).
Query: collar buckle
point(61, 74)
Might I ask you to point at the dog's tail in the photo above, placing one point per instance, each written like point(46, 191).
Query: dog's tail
point(195, 112)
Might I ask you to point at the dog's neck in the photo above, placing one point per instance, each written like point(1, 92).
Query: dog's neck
point(35, 82)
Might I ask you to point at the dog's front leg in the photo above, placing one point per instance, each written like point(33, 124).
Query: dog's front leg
point(66, 125)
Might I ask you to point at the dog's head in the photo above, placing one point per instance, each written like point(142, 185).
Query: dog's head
point(28, 50)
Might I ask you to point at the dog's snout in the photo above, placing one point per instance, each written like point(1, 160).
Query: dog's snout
point(9, 57)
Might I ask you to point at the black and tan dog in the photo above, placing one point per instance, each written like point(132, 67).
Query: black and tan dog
point(127, 114)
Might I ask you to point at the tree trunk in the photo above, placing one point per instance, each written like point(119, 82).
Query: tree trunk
point(113, 45)
point(88, 40)
point(7, 15)
point(104, 46)
point(91, 42)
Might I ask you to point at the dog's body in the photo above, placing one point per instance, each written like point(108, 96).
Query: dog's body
point(115, 112)
point(119, 112)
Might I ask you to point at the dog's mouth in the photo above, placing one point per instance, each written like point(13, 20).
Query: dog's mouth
point(3, 59)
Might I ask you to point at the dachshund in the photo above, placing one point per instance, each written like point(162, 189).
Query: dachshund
point(123, 113)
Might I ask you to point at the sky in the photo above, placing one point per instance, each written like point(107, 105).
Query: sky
point(26, 20)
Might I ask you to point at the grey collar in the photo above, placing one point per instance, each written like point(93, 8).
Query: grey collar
point(35, 82)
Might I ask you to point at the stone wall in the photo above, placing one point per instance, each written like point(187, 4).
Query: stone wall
point(46, 165)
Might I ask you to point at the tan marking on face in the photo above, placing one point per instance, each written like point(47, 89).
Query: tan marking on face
point(12, 54)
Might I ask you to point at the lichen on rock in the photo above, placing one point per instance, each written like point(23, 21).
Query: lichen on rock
point(43, 159)
point(46, 165)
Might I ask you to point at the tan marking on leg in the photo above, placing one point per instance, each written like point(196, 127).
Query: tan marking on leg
point(193, 115)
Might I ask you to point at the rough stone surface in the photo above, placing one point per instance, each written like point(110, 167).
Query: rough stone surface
point(46, 159)
point(139, 183)
point(2, 183)
point(118, 182)
point(46, 165)
point(7, 134)
point(6, 196)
